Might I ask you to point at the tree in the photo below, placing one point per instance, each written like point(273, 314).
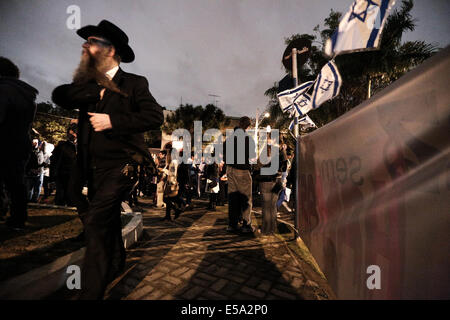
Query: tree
point(50, 108)
point(361, 72)
point(51, 122)
point(211, 116)
point(184, 117)
point(153, 138)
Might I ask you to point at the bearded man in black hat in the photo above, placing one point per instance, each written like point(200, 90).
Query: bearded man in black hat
point(115, 108)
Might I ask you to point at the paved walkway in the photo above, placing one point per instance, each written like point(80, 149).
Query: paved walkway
point(195, 257)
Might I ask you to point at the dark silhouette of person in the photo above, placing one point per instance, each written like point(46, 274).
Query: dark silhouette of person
point(61, 164)
point(240, 179)
point(115, 109)
point(17, 111)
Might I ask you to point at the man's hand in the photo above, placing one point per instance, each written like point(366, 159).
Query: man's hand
point(100, 121)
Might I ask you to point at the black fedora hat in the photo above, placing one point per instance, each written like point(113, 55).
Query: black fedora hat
point(114, 34)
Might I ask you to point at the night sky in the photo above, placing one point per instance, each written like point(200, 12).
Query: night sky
point(186, 48)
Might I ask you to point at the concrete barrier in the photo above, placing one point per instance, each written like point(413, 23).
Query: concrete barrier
point(374, 190)
point(43, 281)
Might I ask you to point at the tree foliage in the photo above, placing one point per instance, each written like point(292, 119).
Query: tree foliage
point(51, 122)
point(359, 70)
point(184, 117)
point(153, 138)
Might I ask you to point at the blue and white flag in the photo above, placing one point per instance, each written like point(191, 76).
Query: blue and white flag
point(287, 98)
point(327, 85)
point(290, 110)
point(360, 28)
point(304, 123)
point(292, 125)
point(303, 104)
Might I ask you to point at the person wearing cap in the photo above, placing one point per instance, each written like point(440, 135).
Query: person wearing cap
point(115, 109)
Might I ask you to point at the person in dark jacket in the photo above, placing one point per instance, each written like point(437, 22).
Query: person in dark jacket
point(61, 163)
point(212, 184)
point(115, 109)
point(223, 185)
point(239, 178)
point(185, 182)
point(17, 111)
point(4, 201)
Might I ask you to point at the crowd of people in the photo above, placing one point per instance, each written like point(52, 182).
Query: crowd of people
point(105, 151)
point(46, 172)
point(172, 186)
point(175, 184)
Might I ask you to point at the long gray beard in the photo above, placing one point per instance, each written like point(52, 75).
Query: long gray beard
point(87, 71)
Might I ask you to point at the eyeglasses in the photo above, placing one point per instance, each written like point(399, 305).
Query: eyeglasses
point(103, 43)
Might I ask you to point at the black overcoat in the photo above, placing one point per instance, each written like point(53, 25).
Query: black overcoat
point(130, 117)
point(17, 111)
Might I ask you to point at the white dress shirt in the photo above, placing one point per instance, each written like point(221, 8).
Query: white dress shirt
point(112, 72)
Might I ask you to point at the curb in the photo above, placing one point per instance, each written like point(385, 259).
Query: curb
point(288, 224)
point(133, 230)
point(125, 208)
point(43, 281)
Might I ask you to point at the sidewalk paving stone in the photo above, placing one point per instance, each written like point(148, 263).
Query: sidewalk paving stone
point(195, 258)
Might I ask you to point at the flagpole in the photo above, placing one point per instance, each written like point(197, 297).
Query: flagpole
point(256, 132)
point(295, 76)
point(297, 136)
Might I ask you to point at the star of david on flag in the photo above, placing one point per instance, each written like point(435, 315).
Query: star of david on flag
point(303, 104)
point(360, 28)
point(292, 100)
point(328, 84)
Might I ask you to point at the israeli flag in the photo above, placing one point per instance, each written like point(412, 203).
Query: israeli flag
point(287, 98)
point(289, 109)
point(292, 125)
point(360, 28)
point(303, 104)
point(306, 122)
point(328, 84)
